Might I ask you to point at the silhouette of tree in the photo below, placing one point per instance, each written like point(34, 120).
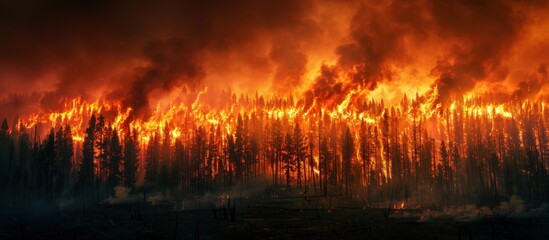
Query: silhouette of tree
point(151, 162)
point(288, 156)
point(299, 152)
point(115, 159)
point(102, 138)
point(131, 155)
point(86, 173)
point(277, 145)
point(64, 154)
point(347, 153)
point(325, 159)
point(49, 164)
point(5, 146)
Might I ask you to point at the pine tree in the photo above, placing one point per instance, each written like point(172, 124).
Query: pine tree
point(131, 155)
point(5, 143)
point(347, 153)
point(242, 143)
point(177, 164)
point(213, 156)
point(101, 143)
point(165, 156)
point(234, 157)
point(288, 156)
point(239, 144)
point(325, 159)
point(365, 151)
point(445, 168)
point(299, 152)
point(311, 146)
point(277, 145)
point(253, 148)
point(49, 164)
point(115, 159)
point(86, 173)
point(199, 150)
point(64, 154)
point(24, 159)
point(151, 162)
point(67, 153)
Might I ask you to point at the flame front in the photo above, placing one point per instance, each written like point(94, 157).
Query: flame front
point(377, 97)
point(180, 121)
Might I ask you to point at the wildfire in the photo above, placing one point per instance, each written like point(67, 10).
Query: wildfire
point(490, 111)
point(316, 171)
point(175, 133)
point(178, 117)
point(425, 100)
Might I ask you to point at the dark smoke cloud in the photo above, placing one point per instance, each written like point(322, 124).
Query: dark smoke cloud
point(379, 36)
point(379, 33)
point(482, 33)
point(131, 48)
point(171, 63)
point(326, 89)
point(473, 39)
point(533, 84)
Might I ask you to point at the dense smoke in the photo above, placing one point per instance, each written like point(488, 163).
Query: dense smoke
point(171, 63)
point(126, 50)
point(481, 34)
point(458, 44)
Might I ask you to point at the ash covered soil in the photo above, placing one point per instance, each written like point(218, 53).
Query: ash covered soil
point(269, 215)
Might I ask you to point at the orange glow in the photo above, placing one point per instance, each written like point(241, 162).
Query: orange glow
point(175, 133)
point(373, 101)
point(399, 206)
point(178, 118)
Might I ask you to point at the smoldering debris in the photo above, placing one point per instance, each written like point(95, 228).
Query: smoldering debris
point(121, 195)
point(514, 208)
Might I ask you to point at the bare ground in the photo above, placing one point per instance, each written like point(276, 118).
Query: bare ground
point(259, 217)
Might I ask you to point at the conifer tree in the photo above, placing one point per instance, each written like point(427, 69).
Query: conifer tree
point(86, 173)
point(300, 152)
point(347, 153)
point(131, 155)
point(115, 159)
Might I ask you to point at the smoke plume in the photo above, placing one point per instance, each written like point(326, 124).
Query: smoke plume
point(454, 45)
point(128, 50)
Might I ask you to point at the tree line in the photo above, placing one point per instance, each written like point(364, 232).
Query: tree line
point(401, 153)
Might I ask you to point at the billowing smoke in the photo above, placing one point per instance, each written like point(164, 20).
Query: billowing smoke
point(121, 195)
point(532, 84)
point(458, 44)
point(290, 61)
point(481, 34)
point(170, 63)
point(327, 88)
point(127, 50)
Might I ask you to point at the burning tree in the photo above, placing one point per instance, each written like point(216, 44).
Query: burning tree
point(184, 108)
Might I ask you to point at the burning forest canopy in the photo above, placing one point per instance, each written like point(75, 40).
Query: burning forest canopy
point(433, 98)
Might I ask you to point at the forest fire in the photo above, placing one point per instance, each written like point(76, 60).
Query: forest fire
point(76, 112)
point(383, 105)
point(386, 143)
